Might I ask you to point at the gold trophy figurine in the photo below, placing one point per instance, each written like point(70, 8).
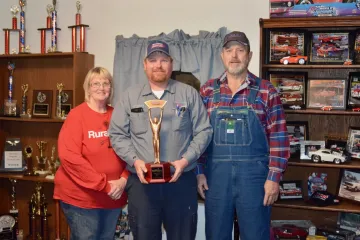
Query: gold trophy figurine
point(24, 88)
point(52, 164)
point(41, 159)
point(60, 87)
point(158, 172)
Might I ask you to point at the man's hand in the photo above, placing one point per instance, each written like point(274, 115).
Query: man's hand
point(271, 192)
point(140, 170)
point(202, 185)
point(179, 166)
point(117, 188)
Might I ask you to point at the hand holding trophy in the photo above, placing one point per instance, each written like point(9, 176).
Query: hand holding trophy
point(157, 172)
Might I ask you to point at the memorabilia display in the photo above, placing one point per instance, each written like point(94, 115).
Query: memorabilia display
point(290, 190)
point(284, 43)
point(327, 47)
point(298, 133)
point(350, 185)
point(10, 103)
point(326, 92)
point(12, 160)
point(22, 4)
point(349, 221)
point(357, 48)
point(41, 160)
point(14, 10)
point(313, 8)
point(336, 143)
point(353, 142)
point(306, 147)
point(354, 90)
point(42, 102)
point(74, 28)
point(24, 88)
point(328, 155)
point(52, 164)
point(157, 172)
point(317, 182)
point(291, 87)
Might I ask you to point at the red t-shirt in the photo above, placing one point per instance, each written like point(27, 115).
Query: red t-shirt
point(87, 162)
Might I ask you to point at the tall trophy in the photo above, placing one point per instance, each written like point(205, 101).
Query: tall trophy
point(81, 27)
point(28, 150)
point(14, 211)
point(60, 87)
point(52, 164)
point(41, 160)
point(10, 103)
point(14, 10)
point(157, 172)
point(22, 4)
point(24, 88)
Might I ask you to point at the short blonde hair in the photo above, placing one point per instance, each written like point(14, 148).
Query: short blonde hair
point(101, 73)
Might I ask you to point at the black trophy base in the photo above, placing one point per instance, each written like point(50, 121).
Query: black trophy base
point(158, 172)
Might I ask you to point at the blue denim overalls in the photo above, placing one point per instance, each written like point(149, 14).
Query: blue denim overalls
point(236, 171)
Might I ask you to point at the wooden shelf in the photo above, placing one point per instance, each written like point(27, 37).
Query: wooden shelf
point(310, 66)
point(344, 206)
point(39, 55)
point(26, 178)
point(18, 119)
point(352, 164)
point(319, 111)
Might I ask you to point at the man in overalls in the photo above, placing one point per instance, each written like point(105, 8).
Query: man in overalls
point(243, 164)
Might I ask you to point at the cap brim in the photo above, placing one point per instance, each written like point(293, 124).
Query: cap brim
point(157, 50)
point(245, 44)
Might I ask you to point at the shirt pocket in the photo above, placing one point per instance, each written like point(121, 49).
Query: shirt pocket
point(181, 121)
point(139, 123)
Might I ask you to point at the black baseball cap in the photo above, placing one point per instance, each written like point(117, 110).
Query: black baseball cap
point(239, 37)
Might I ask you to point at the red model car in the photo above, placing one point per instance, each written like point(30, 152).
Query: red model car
point(326, 108)
point(294, 59)
point(356, 109)
point(282, 39)
point(289, 231)
point(286, 49)
point(327, 38)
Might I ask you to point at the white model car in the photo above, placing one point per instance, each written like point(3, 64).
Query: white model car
point(326, 155)
point(295, 107)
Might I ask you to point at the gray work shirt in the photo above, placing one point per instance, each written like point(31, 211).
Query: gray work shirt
point(185, 128)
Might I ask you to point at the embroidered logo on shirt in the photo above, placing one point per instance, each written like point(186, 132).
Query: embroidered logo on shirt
point(93, 134)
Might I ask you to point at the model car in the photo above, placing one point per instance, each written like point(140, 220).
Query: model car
point(290, 192)
point(289, 231)
point(290, 85)
point(280, 6)
point(327, 155)
point(348, 61)
point(356, 109)
point(295, 107)
point(290, 98)
point(327, 38)
point(326, 108)
point(294, 59)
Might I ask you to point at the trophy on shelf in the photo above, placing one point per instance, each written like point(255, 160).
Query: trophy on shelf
point(22, 4)
point(10, 103)
point(52, 164)
point(14, 10)
point(49, 10)
point(60, 87)
point(41, 160)
point(158, 172)
point(24, 88)
point(28, 150)
point(14, 211)
point(74, 28)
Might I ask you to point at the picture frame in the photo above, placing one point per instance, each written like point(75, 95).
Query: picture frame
point(291, 87)
point(284, 43)
point(298, 132)
point(290, 190)
point(357, 48)
point(308, 146)
point(349, 221)
point(349, 186)
point(329, 47)
point(42, 103)
point(326, 92)
point(336, 143)
point(354, 91)
point(353, 142)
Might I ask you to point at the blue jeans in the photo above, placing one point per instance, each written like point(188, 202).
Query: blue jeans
point(91, 224)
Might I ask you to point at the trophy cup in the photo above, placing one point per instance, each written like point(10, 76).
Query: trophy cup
point(24, 88)
point(157, 172)
point(22, 4)
point(74, 28)
point(60, 87)
point(14, 10)
point(49, 10)
point(52, 164)
point(10, 103)
point(28, 150)
point(41, 160)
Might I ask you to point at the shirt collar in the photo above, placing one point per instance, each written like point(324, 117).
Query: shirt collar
point(170, 88)
point(250, 79)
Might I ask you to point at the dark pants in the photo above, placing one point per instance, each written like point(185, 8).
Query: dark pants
point(173, 204)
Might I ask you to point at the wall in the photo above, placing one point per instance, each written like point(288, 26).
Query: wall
point(109, 18)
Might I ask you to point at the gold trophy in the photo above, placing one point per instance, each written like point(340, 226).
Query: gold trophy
point(60, 87)
point(52, 164)
point(24, 88)
point(42, 159)
point(158, 172)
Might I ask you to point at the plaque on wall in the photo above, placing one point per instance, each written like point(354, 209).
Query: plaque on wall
point(42, 101)
point(12, 160)
point(66, 101)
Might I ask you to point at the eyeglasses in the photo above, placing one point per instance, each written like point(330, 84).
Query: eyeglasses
point(98, 85)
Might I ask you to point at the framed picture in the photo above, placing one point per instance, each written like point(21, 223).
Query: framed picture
point(349, 187)
point(329, 47)
point(354, 91)
point(353, 142)
point(298, 133)
point(290, 190)
point(349, 221)
point(317, 181)
point(306, 147)
point(285, 43)
point(291, 87)
point(357, 48)
point(336, 143)
point(326, 92)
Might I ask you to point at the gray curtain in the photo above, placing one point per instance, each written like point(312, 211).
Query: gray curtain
point(199, 55)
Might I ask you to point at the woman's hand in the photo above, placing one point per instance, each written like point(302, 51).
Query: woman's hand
point(117, 188)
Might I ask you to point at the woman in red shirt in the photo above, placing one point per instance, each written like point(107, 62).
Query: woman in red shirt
point(91, 179)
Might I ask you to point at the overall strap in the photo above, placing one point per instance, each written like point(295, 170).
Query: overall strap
point(216, 91)
point(254, 90)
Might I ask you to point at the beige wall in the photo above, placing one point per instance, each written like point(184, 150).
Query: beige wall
point(108, 18)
